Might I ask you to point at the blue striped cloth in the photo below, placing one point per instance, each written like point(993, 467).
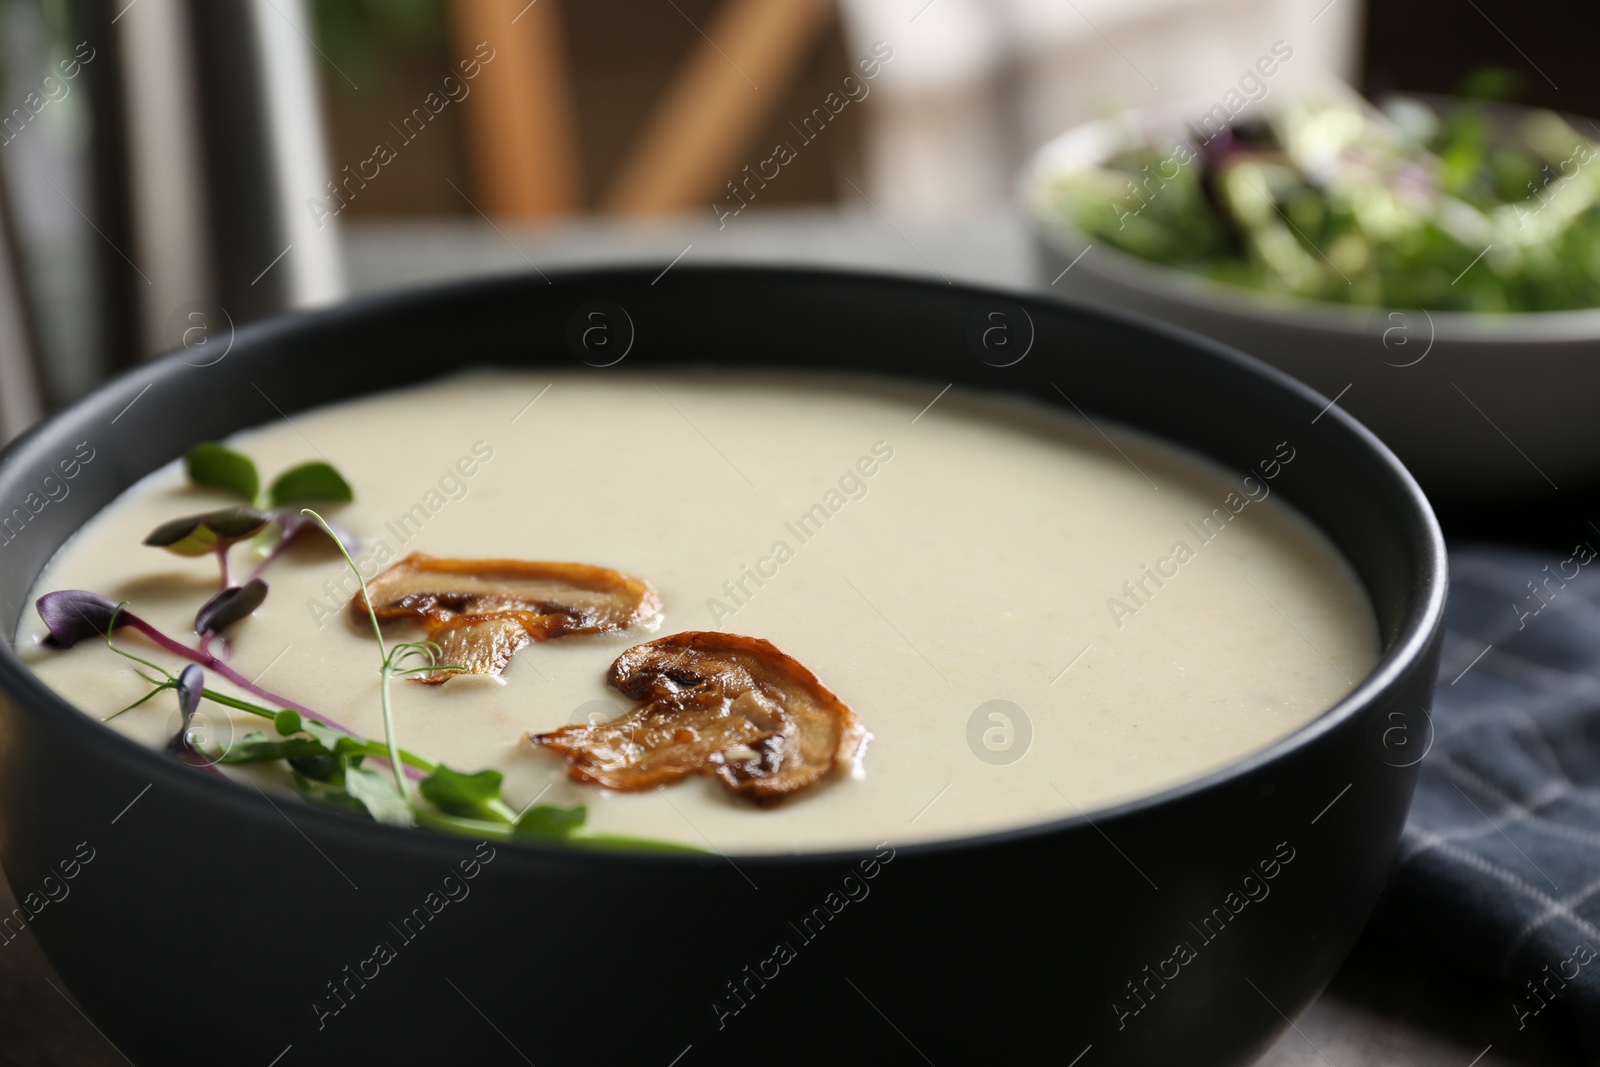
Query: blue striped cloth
point(1499, 867)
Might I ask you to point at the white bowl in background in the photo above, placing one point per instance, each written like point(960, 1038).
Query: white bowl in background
point(1476, 405)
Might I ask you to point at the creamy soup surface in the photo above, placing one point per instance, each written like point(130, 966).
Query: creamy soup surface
point(923, 565)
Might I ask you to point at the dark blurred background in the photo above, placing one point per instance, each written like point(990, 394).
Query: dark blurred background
point(158, 182)
point(1432, 47)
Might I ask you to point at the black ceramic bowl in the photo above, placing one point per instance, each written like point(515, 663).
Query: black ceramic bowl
point(215, 926)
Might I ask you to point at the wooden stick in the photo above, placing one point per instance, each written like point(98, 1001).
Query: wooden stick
point(740, 72)
point(521, 134)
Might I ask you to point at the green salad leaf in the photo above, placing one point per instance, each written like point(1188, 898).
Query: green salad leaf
point(1466, 206)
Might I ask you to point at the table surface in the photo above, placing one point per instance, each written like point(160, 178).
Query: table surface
point(1385, 1007)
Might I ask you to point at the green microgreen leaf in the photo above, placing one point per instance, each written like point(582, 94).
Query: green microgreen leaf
point(329, 795)
point(185, 537)
point(329, 737)
point(196, 535)
point(287, 722)
point(465, 795)
point(254, 747)
point(217, 466)
point(320, 767)
point(314, 481)
point(354, 747)
point(550, 822)
point(377, 793)
point(236, 523)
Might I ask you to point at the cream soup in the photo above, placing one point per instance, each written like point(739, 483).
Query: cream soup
point(1032, 615)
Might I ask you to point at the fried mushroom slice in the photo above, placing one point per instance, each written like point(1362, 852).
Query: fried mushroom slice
point(481, 611)
point(713, 703)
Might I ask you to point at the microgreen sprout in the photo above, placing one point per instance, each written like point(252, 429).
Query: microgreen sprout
point(73, 614)
point(390, 659)
point(213, 533)
point(326, 762)
point(268, 519)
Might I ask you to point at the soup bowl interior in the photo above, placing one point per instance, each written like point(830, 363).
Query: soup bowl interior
point(213, 922)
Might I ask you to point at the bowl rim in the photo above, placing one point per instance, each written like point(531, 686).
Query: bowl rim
point(1423, 618)
point(1206, 294)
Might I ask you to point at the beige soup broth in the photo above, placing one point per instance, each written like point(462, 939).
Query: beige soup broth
point(1030, 617)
